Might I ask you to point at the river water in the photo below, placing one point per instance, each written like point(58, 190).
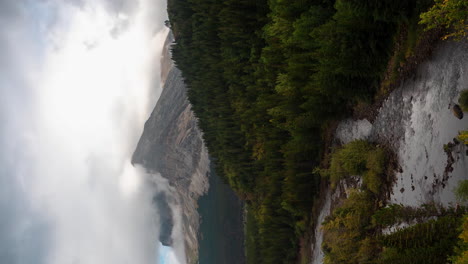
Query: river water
point(221, 229)
point(416, 121)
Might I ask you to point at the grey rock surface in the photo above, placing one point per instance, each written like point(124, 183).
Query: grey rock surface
point(172, 145)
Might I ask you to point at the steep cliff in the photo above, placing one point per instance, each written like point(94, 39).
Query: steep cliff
point(172, 145)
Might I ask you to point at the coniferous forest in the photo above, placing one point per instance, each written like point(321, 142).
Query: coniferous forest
point(266, 79)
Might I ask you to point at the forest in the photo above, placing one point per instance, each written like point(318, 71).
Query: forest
point(267, 79)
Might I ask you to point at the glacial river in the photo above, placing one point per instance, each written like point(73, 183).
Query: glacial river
point(221, 228)
point(416, 121)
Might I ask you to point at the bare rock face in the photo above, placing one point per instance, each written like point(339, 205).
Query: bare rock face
point(172, 145)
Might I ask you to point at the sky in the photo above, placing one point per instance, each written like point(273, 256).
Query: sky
point(78, 79)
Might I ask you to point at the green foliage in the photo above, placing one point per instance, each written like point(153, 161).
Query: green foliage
point(375, 164)
point(449, 14)
point(395, 214)
point(461, 250)
point(352, 234)
point(463, 100)
point(359, 157)
point(429, 242)
point(462, 136)
point(344, 240)
point(462, 191)
point(251, 237)
point(350, 160)
point(369, 250)
point(264, 79)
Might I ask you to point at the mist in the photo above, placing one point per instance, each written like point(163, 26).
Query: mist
point(78, 79)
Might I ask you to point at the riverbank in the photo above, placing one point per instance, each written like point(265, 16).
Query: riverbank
point(413, 46)
point(415, 122)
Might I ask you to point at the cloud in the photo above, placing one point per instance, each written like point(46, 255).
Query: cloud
point(167, 256)
point(124, 12)
point(70, 118)
point(24, 230)
point(122, 6)
point(113, 6)
point(9, 10)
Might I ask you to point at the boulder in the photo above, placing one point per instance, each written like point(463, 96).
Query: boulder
point(457, 111)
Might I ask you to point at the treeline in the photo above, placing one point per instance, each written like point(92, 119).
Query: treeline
point(264, 79)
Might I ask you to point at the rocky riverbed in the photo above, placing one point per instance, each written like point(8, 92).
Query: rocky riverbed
point(416, 122)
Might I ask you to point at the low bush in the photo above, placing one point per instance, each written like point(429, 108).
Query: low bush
point(362, 158)
point(463, 100)
point(462, 191)
point(462, 136)
point(376, 161)
point(350, 160)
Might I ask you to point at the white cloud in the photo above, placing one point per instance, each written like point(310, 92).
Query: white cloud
point(71, 116)
point(167, 255)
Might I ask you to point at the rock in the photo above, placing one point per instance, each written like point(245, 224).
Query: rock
point(172, 145)
point(457, 111)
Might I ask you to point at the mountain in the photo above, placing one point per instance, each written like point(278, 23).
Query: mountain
point(172, 145)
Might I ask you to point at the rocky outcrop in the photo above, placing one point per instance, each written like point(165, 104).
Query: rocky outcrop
point(457, 111)
point(172, 145)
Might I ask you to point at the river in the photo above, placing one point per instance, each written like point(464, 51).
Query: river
point(221, 229)
point(416, 122)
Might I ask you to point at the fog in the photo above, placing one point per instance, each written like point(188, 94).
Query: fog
point(78, 79)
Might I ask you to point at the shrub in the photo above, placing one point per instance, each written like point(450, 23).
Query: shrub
point(350, 160)
point(372, 181)
point(463, 100)
point(463, 137)
point(375, 168)
point(449, 14)
point(462, 191)
point(359, 157)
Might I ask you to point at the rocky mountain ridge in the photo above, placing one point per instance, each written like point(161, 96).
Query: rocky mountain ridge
point(172, 145)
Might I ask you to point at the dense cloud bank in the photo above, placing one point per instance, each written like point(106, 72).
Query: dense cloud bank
point(77, 83)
